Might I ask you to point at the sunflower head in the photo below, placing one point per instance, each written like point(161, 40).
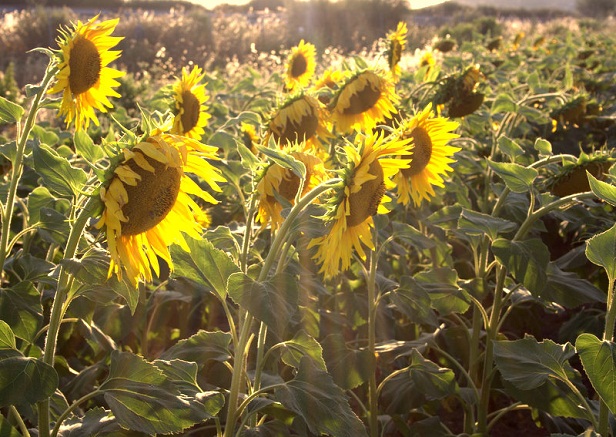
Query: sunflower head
point(571, 178)
point(250, 138)
point(326, 84)
point(190, 109)
point(573, 112)
point(445, 45)
point(396, 45)
point(371, 163)
point(464, 105)
point(84, 76)
point(300, 66)
point(147, 203)
point(280, 185)
point(363, 100)
point(430, 158)
point(300, 119)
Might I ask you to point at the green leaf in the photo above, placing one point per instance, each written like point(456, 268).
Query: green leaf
point(527, 363)
point(476, 223)
point(204, 264)
point(143, 399)
point(412, 300)
point(95, 422)
point(407, 232)
point(302, 345)
point(601, 250)
point(84, 146)
point(284, 160)
point(441, 284)
point(433, 381)
point(599, 361)
point(45, 136)
point(518, 178)
point(350, 368)
point(201, 347)
point(503, 103)
point(6, 429)
point(10, 112)
point(314, 396)
point(20, 307)
point(7, 338)
point(509, 147)
point(544, 147)
point(568, 289)
point(602, 190)
point(25, 380)
point(526, 260)
point(57, 173)
point(273, 302)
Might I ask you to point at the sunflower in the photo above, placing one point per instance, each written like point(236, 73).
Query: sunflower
point(300, 118)
point(301, 64)
point(397, 44)
point(83, 75)
point(190, 109)
point(363, 100)
point(430, 158)
point(325, 85)
point(281, 183)
point(250, 138)
point(147, 205)
point(365, 179)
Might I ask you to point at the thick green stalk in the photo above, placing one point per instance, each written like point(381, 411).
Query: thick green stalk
point(608, 335)
point(17, 168)
point(373, 400)
point(60, 303)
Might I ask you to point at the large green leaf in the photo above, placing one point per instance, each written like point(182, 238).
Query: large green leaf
point(527, 363)
point(543, 146)
point(7, 338)
point(10, 112)
point(274, 302)
point(6, 429)
point(407, 232)
point(526, 260)
point(413, 300)
point(509, 147)
point(599, 361)
point(20, 307)
point(441, 284)
point(601, 250)
point(503, 103)
point(143, 399)
point(433, 381)
point(57, 173)
point(302, 345)
point(284, 160)
point(201, 347)
point(518, 178)
point(24, 380)
point(314, 396)
point(84, 146)
point(96, 422)
point(476, 223)
point(568, 289)
point(204, 264)
point(349, 367)
point(602, 190)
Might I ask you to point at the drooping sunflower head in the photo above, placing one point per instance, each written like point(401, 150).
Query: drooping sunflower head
point(397, 44)
point(430, 158)
point(469, 79)
point(190, 109)
point(147, 203)
point(279, 186)
point(84, 76)
point(572, 112)
point(368, 172)
point(571, 178)
point(300, 66)
point(300, 119)
point(363, 100)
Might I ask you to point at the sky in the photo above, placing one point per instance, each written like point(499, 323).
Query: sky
point(415, 4)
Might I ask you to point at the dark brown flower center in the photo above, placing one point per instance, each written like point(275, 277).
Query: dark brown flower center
point(191, 107)
point(422, 152)
point(362, 100)
point(152, 198)
point(365, 202)
point(298, 66)
point(302, 131)
point(85, 66)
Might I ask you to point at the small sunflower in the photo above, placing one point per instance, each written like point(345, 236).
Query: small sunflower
point(328, 82)
point(397, 44)
point(366, 177)
point(301, 64)
point(300, 118)
point(282, 183)
point(83, 75)
point(147, 205)
point(250, 138)
point(190, 109)
point(363, 100)
point(430, 158)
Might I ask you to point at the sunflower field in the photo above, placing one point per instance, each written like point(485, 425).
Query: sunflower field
point(382, 242)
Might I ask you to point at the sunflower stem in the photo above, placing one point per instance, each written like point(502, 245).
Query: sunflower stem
point(373, 401)
point(60, 302)
point(246, 320)
point(17, 168)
